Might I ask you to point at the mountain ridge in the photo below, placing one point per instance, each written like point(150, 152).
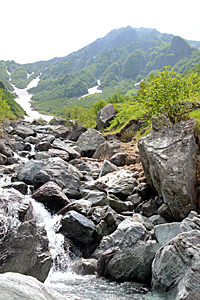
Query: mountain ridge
point(119, 60)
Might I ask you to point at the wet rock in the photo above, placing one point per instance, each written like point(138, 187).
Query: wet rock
point(17, 286)
point(102, 263)
point(128, 233)
point(14, 206)
point(46, 137)
point(133, 264)
point(26, 251)
point(77, 227)
point(168, 159)
point(105, 115)
point(43, 155)
point(85, 266)
point(89, 141)
point(119, 159)
point(51, 195)
point(20, 186)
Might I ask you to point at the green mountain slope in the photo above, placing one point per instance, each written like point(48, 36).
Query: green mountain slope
point(119, 60)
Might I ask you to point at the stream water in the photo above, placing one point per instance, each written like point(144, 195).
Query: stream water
point(62, 278)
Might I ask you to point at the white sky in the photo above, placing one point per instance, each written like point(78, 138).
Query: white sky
point(33, 30)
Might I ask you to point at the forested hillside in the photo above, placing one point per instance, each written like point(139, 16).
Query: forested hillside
point(119, 60)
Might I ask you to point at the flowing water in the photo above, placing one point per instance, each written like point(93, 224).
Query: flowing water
point(61, 277)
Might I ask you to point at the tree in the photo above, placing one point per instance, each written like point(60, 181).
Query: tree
point(168, 94)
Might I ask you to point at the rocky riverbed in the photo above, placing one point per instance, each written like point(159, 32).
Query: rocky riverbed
point(131, 215)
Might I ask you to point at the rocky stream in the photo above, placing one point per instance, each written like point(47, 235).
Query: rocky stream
point(84, 216)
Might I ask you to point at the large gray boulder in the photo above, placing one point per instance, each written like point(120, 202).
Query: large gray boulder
point(59, 131)
point(176, 266)
point(133, 264)
point(106, 150)
point(61, 145)
point(76, 132)
point(26, 251)
point(168, 158)
point(105, 115)
point(29, 170)
point(21, 287)
point(23, 131)
point(59, 171)
point(89, 141)
point(123, 188)
point(128, 233)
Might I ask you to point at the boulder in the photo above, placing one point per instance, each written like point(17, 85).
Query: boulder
point(15, 207)
point(59, 153)
point(42, 146)
point(23, 131)
point(32, 140)
point(17, 286)
point(128, 233)
point(76, 132)
point(105, 115)
point(29, 170)
point(119, 159)
point(61, 145)
point(5, 149)
point(20, 186)
point(106, 150)
point(168, 158)
point(123, 188)
point(59, 131)
point(58, 121)
point(97, 198)
point(118, 205)
point(26, 251)
point(176, 266)
point(51, 195)
point(89, 141)
point(85, 266)
point(47, 137)
point(77, 227)
point(133, 264)
point(102, 263)
point(59, 171)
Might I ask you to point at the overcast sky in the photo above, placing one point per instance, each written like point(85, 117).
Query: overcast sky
point(33, 30)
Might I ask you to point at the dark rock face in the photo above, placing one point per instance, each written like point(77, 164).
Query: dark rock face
point(123, 188)
point(176, 265)
point(168, 158)
point(76, 132)
point(102, 263)
point(119, 159)
point(77, 227)
point(89, 141)
point(105, 115)
point(26, 251)
point(51, 195)
point(133, 264)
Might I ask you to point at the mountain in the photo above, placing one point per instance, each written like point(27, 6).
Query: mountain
point(119, 60)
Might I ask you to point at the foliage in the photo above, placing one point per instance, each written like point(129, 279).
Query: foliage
point(167, 94)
